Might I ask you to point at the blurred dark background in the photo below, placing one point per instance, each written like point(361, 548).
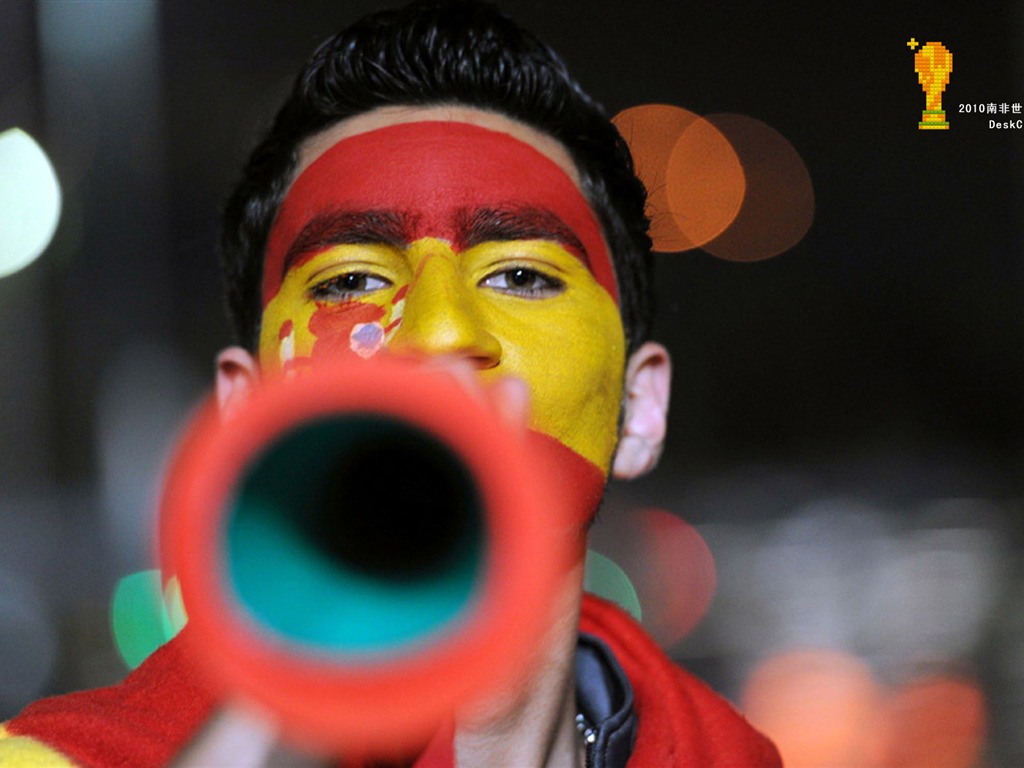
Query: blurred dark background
point(847, 429)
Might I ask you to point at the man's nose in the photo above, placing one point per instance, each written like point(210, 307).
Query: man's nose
point(440, 315)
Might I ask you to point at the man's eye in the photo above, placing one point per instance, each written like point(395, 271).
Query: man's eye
point(525, 282)
point(348, 286)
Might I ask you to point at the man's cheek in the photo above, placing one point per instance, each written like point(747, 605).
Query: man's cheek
point(575, 383)
point(583, 419)
point(351, 327)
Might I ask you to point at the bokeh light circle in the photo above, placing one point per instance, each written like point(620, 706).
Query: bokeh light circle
point(693, 177)
point(666, 561)
point(30, 200)
point(605, 578)
point(778, 206)
point(705, 184)
point(818, 706)
point(676, 576)
point(937, 721)
point(726, 183)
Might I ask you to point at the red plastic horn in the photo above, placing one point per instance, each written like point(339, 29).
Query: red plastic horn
point(362, 550)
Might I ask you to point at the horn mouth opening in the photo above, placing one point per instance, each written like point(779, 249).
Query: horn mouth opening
point(357, 535)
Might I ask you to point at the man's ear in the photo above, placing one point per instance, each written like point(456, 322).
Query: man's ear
point(647, 386)
point(238, 374)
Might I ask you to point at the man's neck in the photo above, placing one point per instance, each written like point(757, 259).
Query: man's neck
point(539, 729)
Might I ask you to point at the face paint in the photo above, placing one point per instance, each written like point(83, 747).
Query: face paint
point(435, 173)
point(310, 319)
point(448, 238)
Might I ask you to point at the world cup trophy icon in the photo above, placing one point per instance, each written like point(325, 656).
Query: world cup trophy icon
point(933, 63)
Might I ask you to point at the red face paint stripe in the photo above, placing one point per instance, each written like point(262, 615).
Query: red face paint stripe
point(438, 171)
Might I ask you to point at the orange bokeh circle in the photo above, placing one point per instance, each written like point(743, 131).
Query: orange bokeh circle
point(695, 183)
point(778, 207)
point(728, 183)
point(818, 706)
point(935, 721)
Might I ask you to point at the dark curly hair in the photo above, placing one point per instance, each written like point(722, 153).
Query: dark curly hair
point(439, 52)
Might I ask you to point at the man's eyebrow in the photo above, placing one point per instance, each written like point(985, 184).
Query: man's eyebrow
point(347, 227)
point(482, 225)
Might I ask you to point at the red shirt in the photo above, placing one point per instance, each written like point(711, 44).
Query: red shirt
point(145, 720)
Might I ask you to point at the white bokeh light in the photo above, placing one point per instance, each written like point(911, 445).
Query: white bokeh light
point(30, 200)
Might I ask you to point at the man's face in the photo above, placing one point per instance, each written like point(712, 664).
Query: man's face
point(415, 231)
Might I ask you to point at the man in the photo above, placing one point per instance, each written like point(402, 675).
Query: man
point(438, 185)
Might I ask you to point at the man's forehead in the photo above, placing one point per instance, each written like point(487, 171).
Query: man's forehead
point(313, 147)
point(430, 172)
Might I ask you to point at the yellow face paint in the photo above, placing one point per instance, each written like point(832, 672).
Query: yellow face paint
point(528, 309)
point(330, 306)
point(400, 238)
